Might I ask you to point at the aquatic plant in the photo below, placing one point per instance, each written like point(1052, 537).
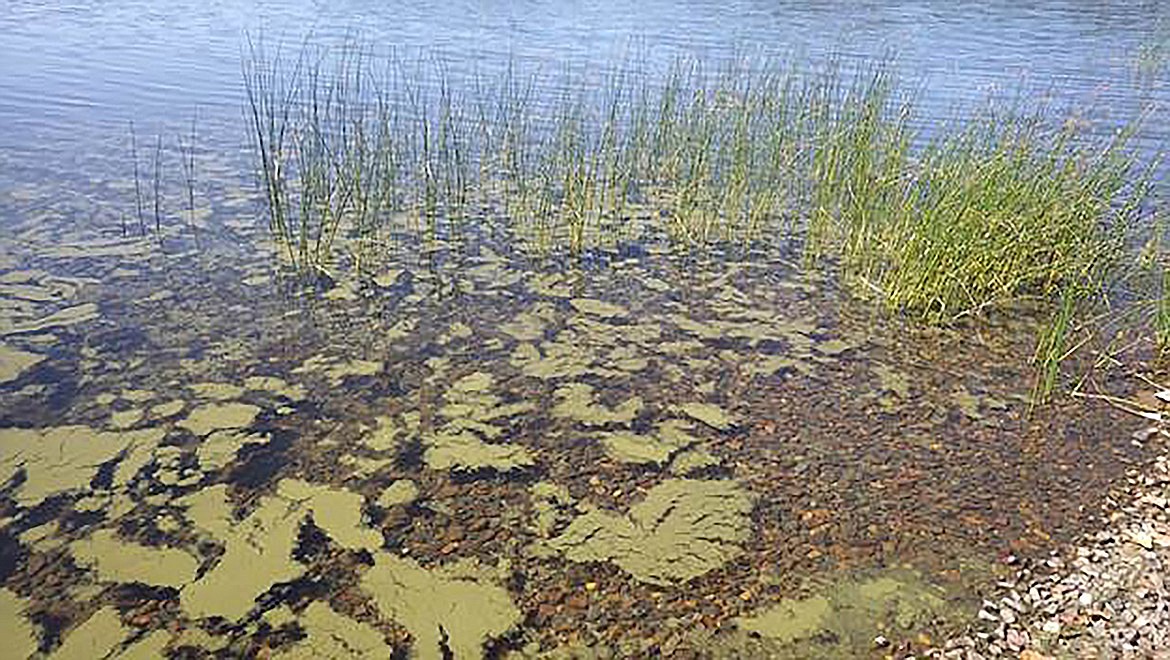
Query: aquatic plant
point(979, 215)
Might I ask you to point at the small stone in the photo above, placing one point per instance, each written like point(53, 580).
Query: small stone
point(1051, 627)
point(1085, 599)
point(987, 616)
point(881, 642)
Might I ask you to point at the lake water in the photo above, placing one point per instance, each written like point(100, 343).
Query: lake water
point(477, 448)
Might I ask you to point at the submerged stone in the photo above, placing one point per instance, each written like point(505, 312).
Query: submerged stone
point(459, 606)
point(684, 528)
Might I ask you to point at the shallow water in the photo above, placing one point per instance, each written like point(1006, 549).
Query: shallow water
point(640, 450)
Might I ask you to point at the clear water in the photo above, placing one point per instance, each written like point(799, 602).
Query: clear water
point(476, 450)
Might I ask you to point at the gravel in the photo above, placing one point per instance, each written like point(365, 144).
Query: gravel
point(1108, 596)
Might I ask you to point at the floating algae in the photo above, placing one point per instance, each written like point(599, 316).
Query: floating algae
point(336, 369)
point(403, 491)
point(67, 458)
point(530, 325)
point(216, 391)
point(338, 512)
point(17, 632)
point(455, 608)
point(465, 451)
point(257, 552)
point(692, 460)
point(707, 413)
point(148, 648)
point(598, 308)
point(97, 638)
point(219, 449)
point(116, 560)
point(845, 618)
point(684, 528)
point(577, 403)
point(670, 437)
point(218, 416)
point(14, 362)
point(470, 408)
point(63, 318)
point(384, 437)
point(334, 636)
point(551, 502)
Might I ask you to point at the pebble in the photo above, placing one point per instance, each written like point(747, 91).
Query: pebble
point(1106, 596)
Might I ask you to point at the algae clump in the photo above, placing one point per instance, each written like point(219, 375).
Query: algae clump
point(707, 413)
point(257, 552)
point(465, 451)
point(20, 638)
point(458, 606)
point(67, 458)
point(332, 635)
point(14, 362)
point(96, 638)
point(598, 308)
point(337, 512)
point(220, 416)
point(684, 528)
point(842, 620)
point(122, 561)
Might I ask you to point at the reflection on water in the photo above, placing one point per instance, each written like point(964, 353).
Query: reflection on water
point(472, 447)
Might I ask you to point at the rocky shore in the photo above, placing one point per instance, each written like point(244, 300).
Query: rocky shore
point(1107, 596)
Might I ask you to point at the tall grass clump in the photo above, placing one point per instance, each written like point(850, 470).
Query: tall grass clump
point(979, 215)
point(999, 210)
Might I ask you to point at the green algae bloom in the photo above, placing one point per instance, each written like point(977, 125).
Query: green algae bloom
point(458, 606)
point(683, 529)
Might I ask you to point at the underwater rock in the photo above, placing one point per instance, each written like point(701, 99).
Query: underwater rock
point(460, 606)
point(684, 528)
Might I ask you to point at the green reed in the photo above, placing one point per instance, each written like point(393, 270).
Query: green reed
point(981, 214)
